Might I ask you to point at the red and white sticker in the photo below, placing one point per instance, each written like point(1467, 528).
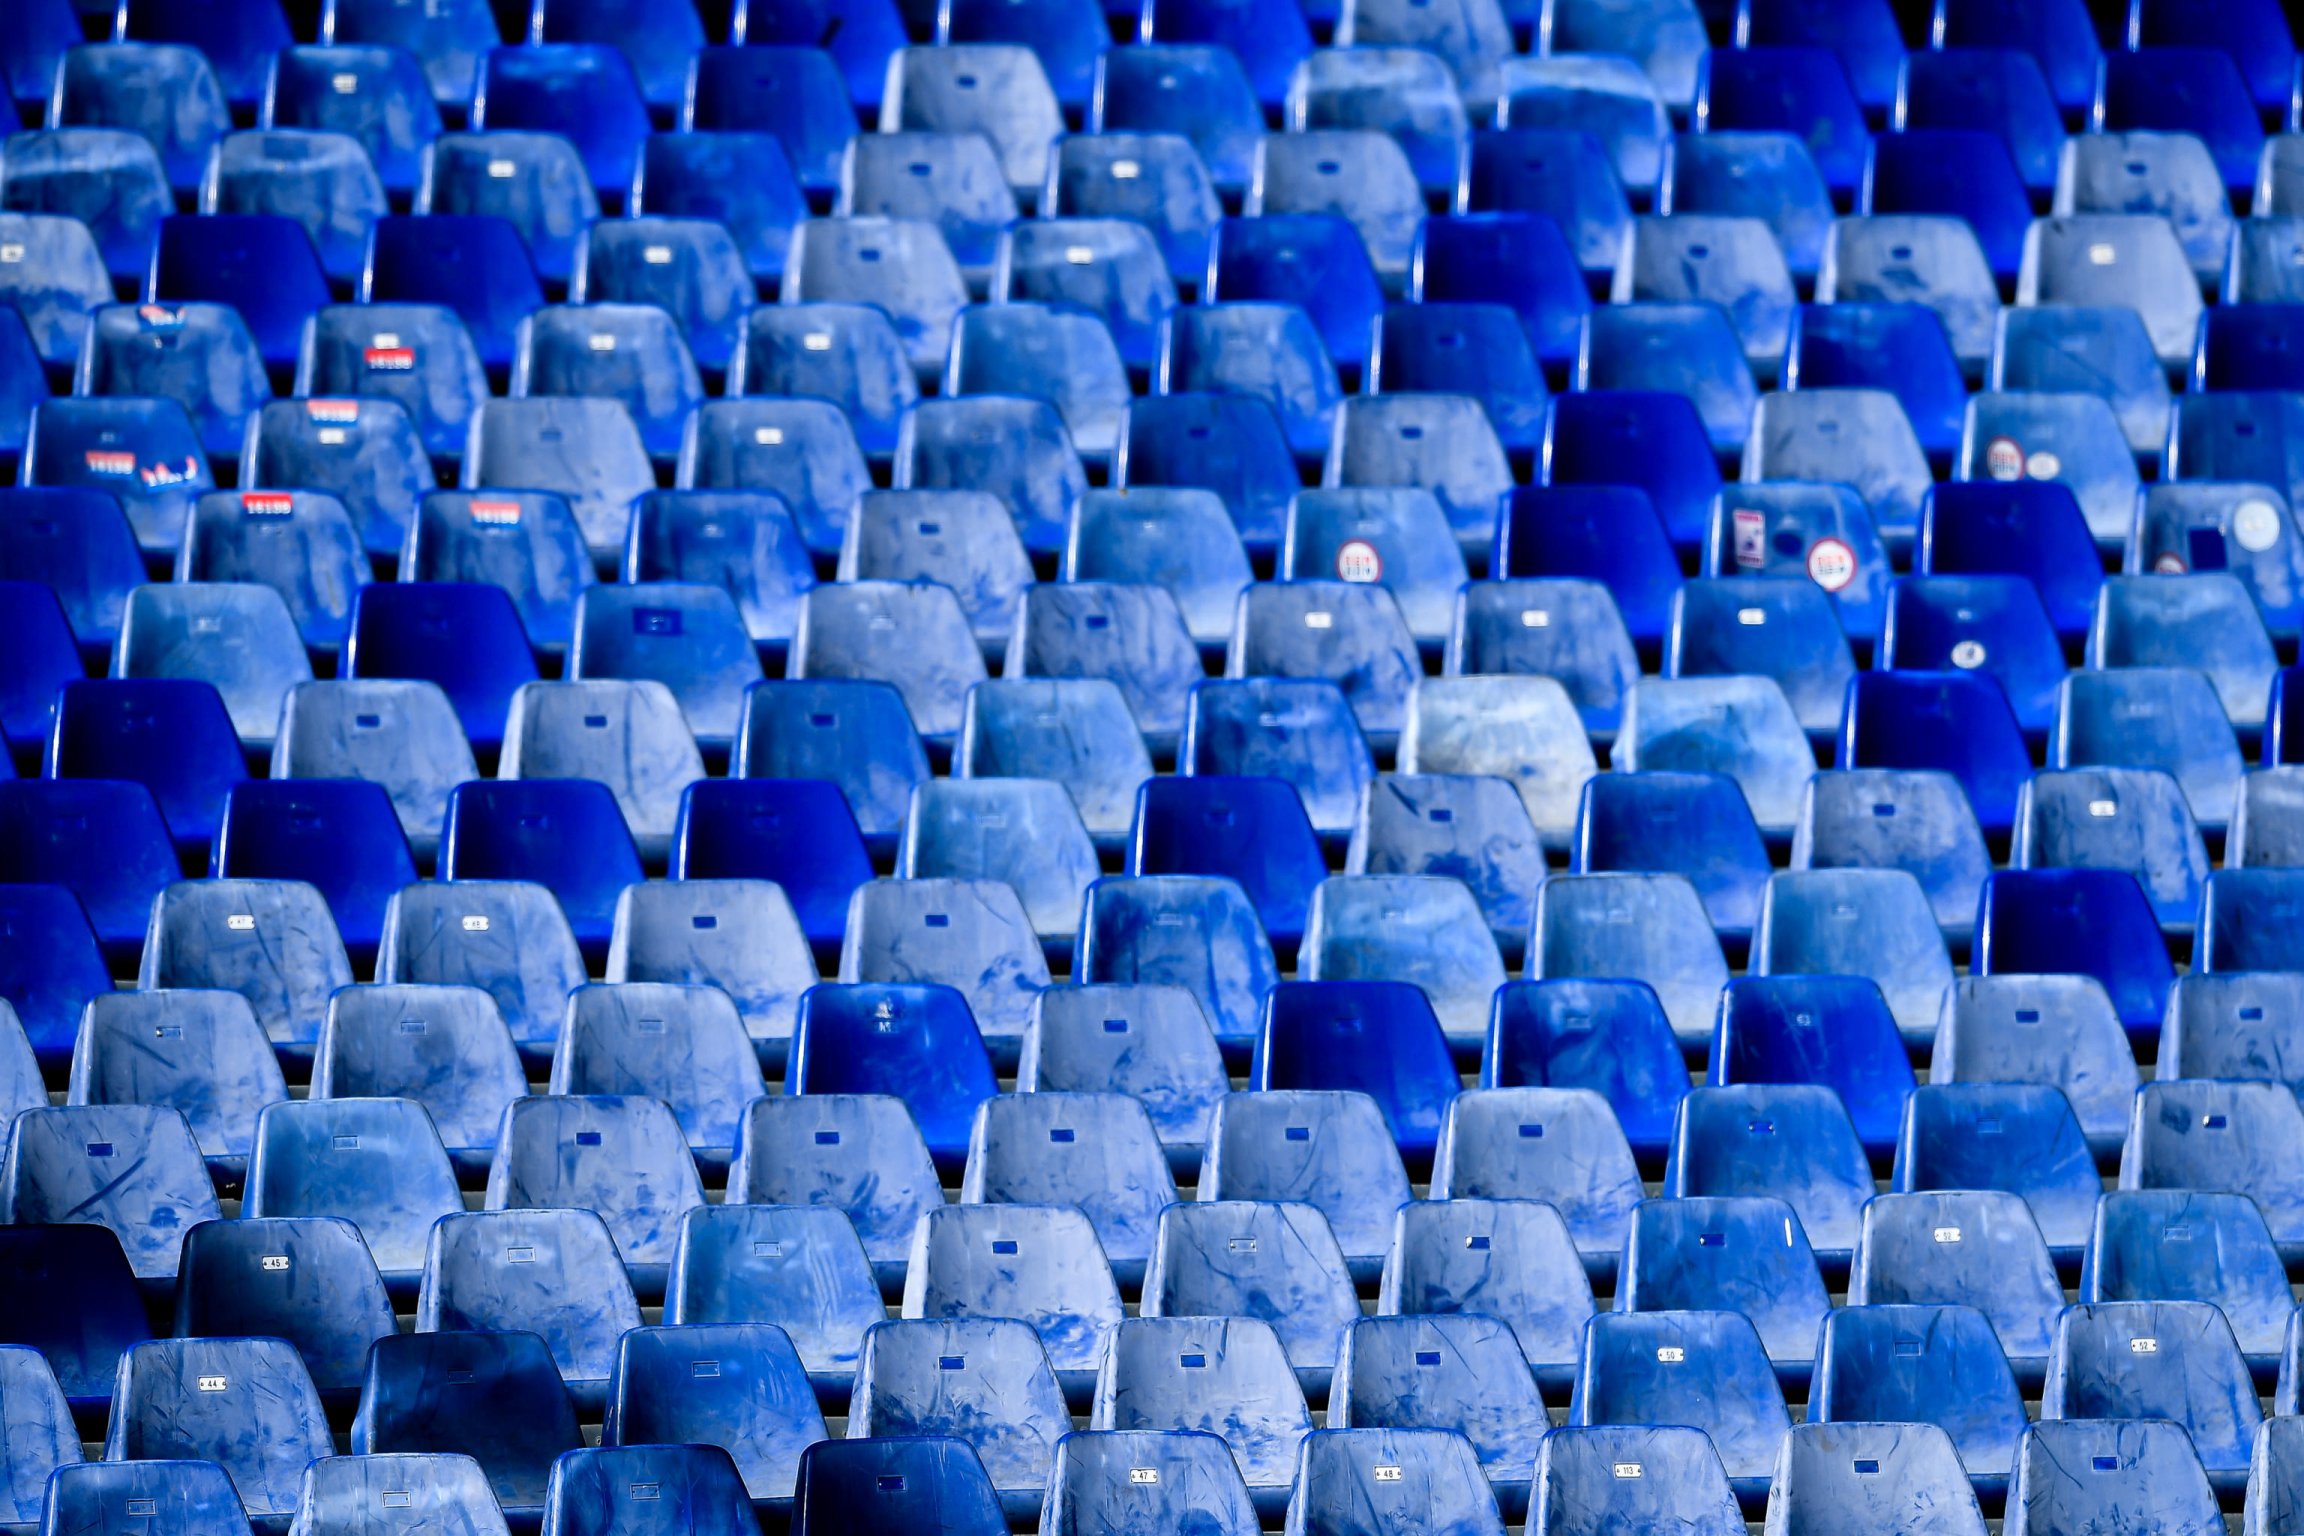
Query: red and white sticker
point(1358, 561)
point(158, 475)
point(105, 461)
point(496, 514)
point(2169, 563)
point(2004, 459)
point(1831, 564)
point(158, 317)
point(340, 412)
point(267, 503)
point(389, 359)
point(1751, 538)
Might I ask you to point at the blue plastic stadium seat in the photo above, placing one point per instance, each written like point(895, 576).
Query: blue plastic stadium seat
point(1268, 39)
point(802, 450)
point(2147, 272)
point(473, 264)
point(1792, 1141)
point(1857, 436)
point(1584, 1475)
point(2263, 250)
point(1297, 729)
point(1566, 628)
point(507, 937)
point(1405, 93)
point(1766, 1033)
point(1951, 721)
point(973, 935)
point(108, 178)
point(417, 354)
point(2197, 525)
point(1378, 1037)
point(1665, 37)
point(640, 1181)
point(1606, 95)
point(1563, 172)
point(1813, 530)
point(858, 736)
point(917, 1041)
point(742, 936)
point(554, 1273)
point(1523, 729)
point(1901, 349)
point(1769, 176)
point(340, 836)
point(321, 180)
point(196, 1496)
point(1803, 91)
point(52, 828)
point(1608, 1036)
point(1739, 727)
point(741, 1270)
point(132, 1168)
point(366, 454)
point(1098, 1482)
point(950, 180)
point(1785, 629)
point(1225, 1377)
point(526, 542)
point(2117, 818)
point(1651, 441)
point(375, 94)
point(1037, 1264)
point(465, 638)
point(1463, 827)
point(199, 355)
point(2271, 1470)
point(2255, 35)
point(2028, 528)
point(1873, 923)
point(1488, 1151)
point(444, 1046)
point(1132, 634)
point(2018, 1137)
point(1249, 829)
point(2246, 1126)
point(302, 544)
point(523, 443)
point(2151, 717)
point(847, 354)
point(1153, 179)
point(691, 177)
point(1013, 447)
point(2243, 913)
point(1938, 1365)
point(1190, 89)
point(1650, 928)
point(759, 1412)
point(166, 92)
point(43, 658)
point(2193, 1377)
point(2149, 1471)
point(272, 941)
point(495, 1397)
point(846, 632)
point(2226, 1026)
point(1738, 1404)
point(1313, 262)
point(1272, 1263)
point(1358, 174)
point(1826, 1472)
point(107, 730)
point(262, 1424)
point(1268, 353)
point(687, 636)
point(860, 1155)
point(73, 1298)
point(226, 1290)
point(1179, 537)
point(377, 1163)
point(2081, 921)
point(1350, 633)
point(1994, 623)
point(909, 1480)
point(581, 93)
point(683, 1044)
point(792, 93)
point(1672, 822)
point(142, 452)
point(983, 1380)
point(1348, 1167)
point(1746, 1250)
point(40, 1421)
point(1130, 933)
point(545, 196)
point(1444, 443)
point(1512, 1260)
point(1111, 267)
point(2237, 436)
point(2056, 1030)
point(2185, 90)
point(1672, 348)
point(2000, 1265)
point(1478, 350)
point(262, 264)
point(566, 835)
point(1999, 90)
point(75, 542)
point(606, 1487)
point(1047, 352)
point(1958, 173)
point(2170, 177)
point(1928, 260)
point(2146, 1247)
point(1518, 260)
point(1413, 1378)
point(631, 353)
point(23, 386)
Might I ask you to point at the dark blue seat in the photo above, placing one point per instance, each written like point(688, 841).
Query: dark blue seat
point(1666, 348)
point(302, 544)
point(109, 729)
point(1768, 1032)
point(388, 108)
point(143, 453)
point(2243, 921)
point(556, 1273)
point(262, 264)
point(495, 1397)
point(167, 92)
point(447, 40)
point(1742, 1253)
point(72, 1296)
point(1953, 721)
point(1519, 260)
point(1768, 176)
point(1997, 89)
point(1792, 1141)
point(2091, 922)
point(195, 1496)
point(925, 1482)
point(620, 1488)
point(1995, 623)
point(474, 264)
point(547, 197)
point(54, 968)
point(1562, 172)
point(75, 542)
point(339, 835)
point(1608, 1036)
point(364, 453)
point(2151, 717)
point(657, 46)
point(2058, 34)
point(692, 176)
point(2188, 90)
point(43, 657)
point(1803, 91)
point(108, 178)
point(2148, 1246)
point(1694, 824)
point(687, 636)
point(226, 1289)
point(1653, 441)
point(1252, 830)
point(1191, 89)
point(133, 1168)
point(1299, 730)
point(445, 1046)
point(238, 39)
point(2028, 528)
point(1739, 1404)
point(1899, 348)
point(1314, 261)
point(29, 50)
point(2019, 1137)
point(1863, 36)
point(915, 1041)
point(1267, 352)
point(562, 834)
point(54, 826)
point(1784, 629)
point(1224, 443)
point(1910, 1364)
point(1964, 173)
point(466, 637)
point(417, 354)
point(1463, 349)
point(2000, 1265)
point(1378, 1037)
point(1068, 40)
point(1607, 534)
point(1269, 39)
point(854, 734)
point(859, 34)
point(585, 93)
point(23, 385)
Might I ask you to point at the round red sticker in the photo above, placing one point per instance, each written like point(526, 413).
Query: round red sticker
point(1831, 564)
point(2004, 459)
point(1358, 561)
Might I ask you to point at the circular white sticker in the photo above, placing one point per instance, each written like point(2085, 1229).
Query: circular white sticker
point(2004, 459)
point(1831, 564)
point(2043, 465)
point(1968, 655)
point(1358, 561)
point(2169, 563)
point(2256, 525)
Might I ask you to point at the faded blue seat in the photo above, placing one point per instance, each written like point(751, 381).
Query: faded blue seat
point(2149, 272)
point(1314, 262)
point(1096, 753)
point(1227, 445)
point(847, 354)
point(1445, 443)
point(548, 198)
point(742, 936)
point(1468, 828)
point(631, 353)
point(367, 454)
point(446, 1047)
point(1037, 1264)
point(1269, 352)
point(2151, 717)
point(1015, 448)
point(1347, 1166)
point(272, 941)
point(858, 1154)
point(1736, 1254)
point(340, 836)
point(2250, 1125)
point(142, 454)
point(604, 1488)
point(1996, 623)
point(1194, 87)
point(802, 450)
point(915, 636)
point(108, 178)
point(262, 1426)
point(1424, 930)
point(376, 1163)
point(2238, 436)
point(973, 935)
point(2195, 1377)
point(1857, 436)
point(420, 355)
point(2019, 1137)
point(1179, 537)
point(1479, 350)
point(1226, 1377)
point(1456, 1372)
point(2051, 1029)
point(303, 545)
point(1785, 629)
point(1738, 1404)
point(1873, 923)
point(742, 1269)
point(1349, 633)
point(2198, 525)
point(1692, 823)
point(475, 264)
point(1939, 1365)
point(167, 92)
point(691, 176)
point(1792, 1141)
point(132, 1168)
point(1886, 1472)
point(523, 442)
point(2229, 1025)
point(388, 108)
point(1795, 529)
point(1112, 267)
point(1357, 173)
point(1739, 727)
point(1297, 729)
point(521, 951)
point(688, 636)
point(1579, 1486)
point(225, 1290)
point(787, 88)
point(40, 1421)
point(568, 836)
point(1565, 628)
point(1153, 179)
point(554, 1273)
point(1094, 1150)
point(1489, 1150)
point(621, 1157)
point(199, 355)
point(983, 1380)
point(53, 827)
point(1252, 830)
point(496, 1397)
point(2181, 1245)
point(1642, 927)
point(1672, 348)
point(950, 180)
point(1606, 94)
point(1133, 635)
point(1404, 92)
point(1730, 261)
point(854, 734)
point(2192, 91)
point(2169, 175)
point(2150, 1471)
point(526, 542)
point(2117, 818)
point(952, 88)
point(1098, 1483)
point(683, 1043)
point(1429, 1476)
point(213, 1064)
point(1218, 951)
point(2001, 1265)
point(322, 180)
point(1929, 260)
point(756, 1406)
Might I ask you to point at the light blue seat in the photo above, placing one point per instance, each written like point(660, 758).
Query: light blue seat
point(1016, 448)
point(1218, 951)
point(1025, 832)
point(2184, 1245)
point(623, 351)
point(1094, 1150)
point(1741, 727)
point(1462, 827)
point(2052, 1030)
point(901, 265)
point(846, 354)
point(262, 1424)
point(521, 443)
point(998, 90)
point(1874, 923)
point(1511, 1260)
point(1366, 1480)
point(199, 1052)
point(1729, 260)
point(1298, 729)
point(1100, 1483)
point(507, 937)
point(1604, 94)
point(1191, 84)
point(1460, 1372)
point(1038, 1264)
point(1686, 348)
point(972, 935)
point(1566, 628)
point(741, 1270)
point(1855, 436)
point(681, 1042)
point(2072, 438)
point(1766, 175)
point(376, 1163)
point(1222, 1376)
point(131, 1168)
point(1885, 1472)
point(526, 542)
point(1415, 928)
point(1153, 179)
point(2078, 349)
point(2248, 1125)
point(1149, 1041)
point(2149, 1471)
point(2148, 271)
point(1744, 1253)
point(859, 1154)
point(2231, 1025)
point(915, 636)
point(1562, 1146)
point(2194, 1377)
point(1819, 531)
point(1111, 267)
point(1350, 634)
point(2001, 1265)
point(2117, 818)
point(199, 355)
point(1180, 537)
point(802, 450)
point(1521, 729)
point(554, 1273)
point(1926, 259)
point(1331, 1150)
point(548, 197)
point(1643, 927)
point(1680, 1483)
point(1263, 351)
point(1396, 87)
point(950, 180)
point(446, 1047)
point(982, 1380)
point(1076, 732)
point(1784, 629)
point(2132, 173)
point(621, 1157)
point(1624, 1380)
point(963, 540)
point(855, 734)
point(1360, 174)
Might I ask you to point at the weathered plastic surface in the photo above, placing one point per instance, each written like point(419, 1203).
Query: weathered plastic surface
point(1198, 932)
point(506, 937)
point(1742, 727)
point(1096, 1151)
point(1074, 731)
point(912, 635)
point(685, 1045)
point(797, 833)
point(2247, 920)
point(1938, 1365)
point(1834, 1031)
point(2205, 620)
point(2241, 1137)
point(1330, 532)
point(2183, 1245)
point(1646, 1367)
point(1300, 729)
point(1739, 1253)
point(736, 1386)
point(2267, 826)
point(745, 542)
point(1100, 1486)
point(272, 941)
point(1227, 1377)
point(1374, 1037)
point(1595, 1479)
point(1914, 820)
point(934, 1485)
point(1790, 1140)
point(2188, 1370)
point(916, 1041)
point(1858, 437)
point(740, 936)
point(660, 1490)
point(2151, 717)
point(1419, 929)
point(620, 1156)
point(1352, 635)
point(800, 1268)
point(1878, 1477)
point(1040, 1264)
point(1978, 1248)
point(1562, 627)
point(1017, 449)
point(377, 1163)
point(245, 1404)
point(397, 1495)
point(1523, 729)
point(1779, 627)
point(1608, 1036)
point(2074, 439)
point(495, 1397)
point(2272, 1476)
point(2238, 1025)
point(1362, 1482)
point(310, 554)
point(2018, 1137)
point(1512, 1260)
point(1558, 1145)
point(1693, 824)
point(194, 1497)
point(36, 1429)
point(401, 734)
point(1460, 1372)
point(1270, 1262)
point(554, 1273)
point(446, 1047)
point(2056, 1031)
point(1465, 828)
point(566, 835)
point(860, 1153)
point(1873, 923)
point(984, 1380)
point(1249, 829)
point(585, 450)
point(130, 1167)
point(1150, 1042)
point(1649, 928)
point(628, 735)
point(972, 935)
point(1130, 634)
point(1329, 1149)
point(1023, 833)
point(802, 450)
point(201, 1053)
point(308, 1280)
point(70, 1294)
